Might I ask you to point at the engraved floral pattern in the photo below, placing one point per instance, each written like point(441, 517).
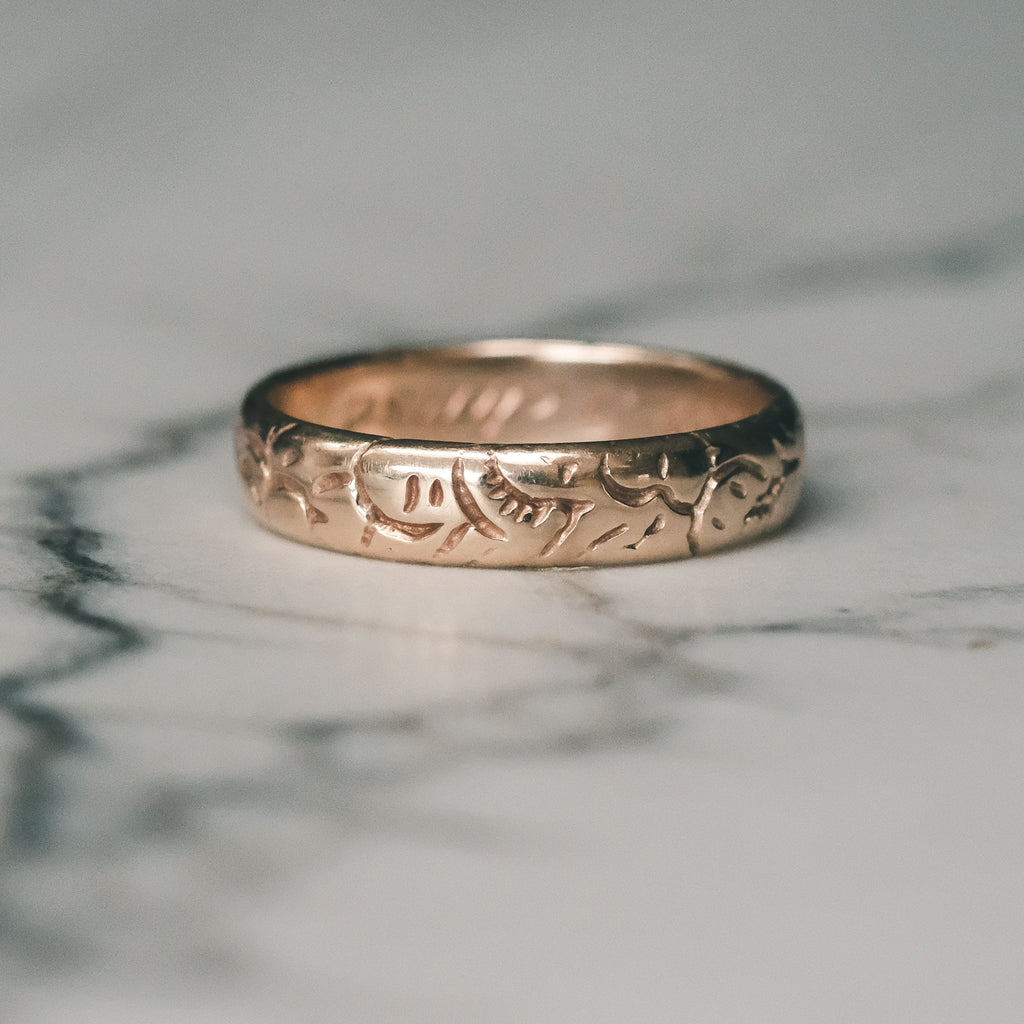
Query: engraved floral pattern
point(524, 507)
point(733, 493)
point(266, 470)
point(718, 475)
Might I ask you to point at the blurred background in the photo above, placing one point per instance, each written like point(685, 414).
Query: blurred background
point(244, 781)
point(202, 191)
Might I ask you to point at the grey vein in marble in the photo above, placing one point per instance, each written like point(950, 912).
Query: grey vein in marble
point(248, 781)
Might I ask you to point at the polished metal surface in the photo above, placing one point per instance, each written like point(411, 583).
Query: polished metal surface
point(521, 453)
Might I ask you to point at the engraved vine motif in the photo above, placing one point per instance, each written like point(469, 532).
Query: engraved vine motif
point(266, 470)
point(524, 507)
point(718, 475)
point(518, 504)
point(637, 497)
point(266, 467)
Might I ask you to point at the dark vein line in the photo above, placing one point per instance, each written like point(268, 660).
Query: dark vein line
point(75, 551)
point(965, 257)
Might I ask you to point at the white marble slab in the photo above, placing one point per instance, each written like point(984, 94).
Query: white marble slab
point(246, 781)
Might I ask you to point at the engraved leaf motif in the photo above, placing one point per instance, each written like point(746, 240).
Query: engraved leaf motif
point(314, 515)
point(567, 470)
point(331, 482)
point(454, 538)
point(275, 432)
point(607, 536)
point(655, 528)
point(525, 507)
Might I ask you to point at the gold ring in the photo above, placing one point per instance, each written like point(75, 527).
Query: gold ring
point(521, 453)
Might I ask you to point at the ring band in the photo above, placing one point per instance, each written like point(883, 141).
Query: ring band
point(521, 453)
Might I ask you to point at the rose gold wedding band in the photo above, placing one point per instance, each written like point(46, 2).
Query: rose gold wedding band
point(521, 453)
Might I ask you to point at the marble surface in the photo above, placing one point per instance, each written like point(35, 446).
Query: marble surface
point(246, 781)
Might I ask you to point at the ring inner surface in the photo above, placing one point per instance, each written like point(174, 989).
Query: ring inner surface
point(555, 397)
